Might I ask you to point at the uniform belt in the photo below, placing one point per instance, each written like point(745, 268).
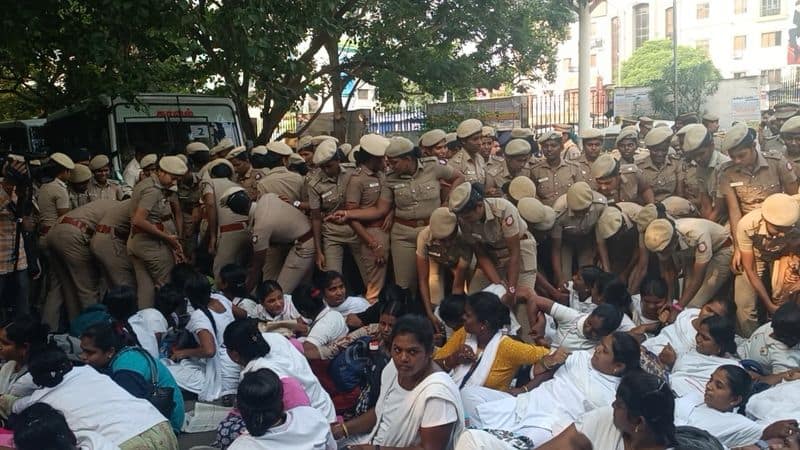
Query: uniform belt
point(305, 237)
point(236, 226)
point(105, 229)
point(728, 242)
point(413, 223)
point(43, 230)
point(83, 226)
point(375, 223)
point(136, 230)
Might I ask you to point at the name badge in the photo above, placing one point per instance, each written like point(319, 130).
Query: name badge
point(327, 194)
point(737, 184)
point(436, 254)
point(374, 185)
point(542, 180)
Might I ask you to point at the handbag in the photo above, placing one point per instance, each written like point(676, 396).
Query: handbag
point(160, 397)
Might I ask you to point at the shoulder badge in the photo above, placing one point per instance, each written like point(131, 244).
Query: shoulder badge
point(509, 221)
point(701, 247)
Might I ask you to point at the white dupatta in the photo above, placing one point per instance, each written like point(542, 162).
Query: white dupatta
point(692, 370)
point(484, 362)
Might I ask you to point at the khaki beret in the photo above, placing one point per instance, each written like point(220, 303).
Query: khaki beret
point(678, 206)
point(459, 196)
point(352, 156)
point(791, 126)
point(646, 215)
point(658, 235)
point(216, 162)
point(521, 133)
point(591, 133)
point(35, 162)
point(627, 133)
point(645, 119)
point(548, 135)
point(786, 110)
point(540, 216)
point(235, 152)
point(224, 145)
point(687, 117)
point(579, 196)
point(487, 131)
point(295, 158)
point(609, 223)
point(304, 142)
point(316, 140)
point(398, 146)
point(280, 148)
point(626, 121)
point(80, 174)
point(259, 150)
point(695, 136)
point(325, 152)
point(431, 138)
point(174, 166)
point(98, 162)
point(657, 136)
point(195, 147)
point(734, 137)
point(443, 223)
point(228, 192)
point(450, 137)
point(521, 187)
point(375, 144)
point(346, 148)
point(183, 158)
point(781, 210)
point(604, 166)
point(710, 117)
point(517, 147)
point(469, 127)
point(148, 160)
point(62, 160)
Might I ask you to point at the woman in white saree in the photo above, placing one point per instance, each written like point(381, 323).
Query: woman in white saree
point(680, 334)
point(586, 381)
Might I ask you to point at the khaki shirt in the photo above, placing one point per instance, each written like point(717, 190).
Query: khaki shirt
point(111, 190)
point(664, 180)
point(275, 221)
point(795, 160)
point(282, 182)
point(474, 169)
point(416, 196)
point(249, 183)
point(150, 195)
point(571, 152)
point(752, 236)
point(774, 144)
point(552, 182)
point(501, 221)
point(77, 199)
point(217, 187)
point(446, 255)
point(325, 193)
point(93, 212)
point(698, 240)
point(52, 197)
point(585, 169)
point(640, 153)
point(364, 188)
point(118, 217)
point(628, 191)
point(497, 174)
point(708, 177)
point(189, 196)
point(772, 174)
point(571, 224)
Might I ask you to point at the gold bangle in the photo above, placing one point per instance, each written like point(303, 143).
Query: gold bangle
point(525, 388)
point(344, 428)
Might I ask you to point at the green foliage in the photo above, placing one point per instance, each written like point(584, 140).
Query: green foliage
point(648, 62)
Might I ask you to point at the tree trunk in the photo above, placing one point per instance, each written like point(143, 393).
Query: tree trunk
point(337, 86)
point(248, 130)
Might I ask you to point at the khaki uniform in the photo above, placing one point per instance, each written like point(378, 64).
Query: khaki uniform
point(77, 199)
point(52, 197)
point(281, 182)
point(364, 189)
point(112, 190)
point(497, 174)
point(706, 179)
point(249, 183)
point(571, 152)
point(774, 144)
point(414, 198)
point(109, 245)
point(473, 168)
point(703, 241)
point(275, 222)
point(664, 180)
point(640, 153)
point(553, 182)
point(576, 232)
point(68, 244)
point(189, 200)
point(326, 194)
point(232, 234)
point(771, 175)
point(440, 258)
point(151, 257)
point(585, 169)
point(795, 160)
point(628, 191)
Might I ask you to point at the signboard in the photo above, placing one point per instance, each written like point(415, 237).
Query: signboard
point(745, 108)
point(632, 102)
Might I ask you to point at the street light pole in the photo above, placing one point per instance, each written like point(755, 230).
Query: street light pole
point(675, 55)
point(584, 30)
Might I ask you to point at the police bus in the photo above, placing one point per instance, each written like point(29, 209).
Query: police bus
point(22, 137)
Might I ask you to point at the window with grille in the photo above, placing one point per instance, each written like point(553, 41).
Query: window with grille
point(702, 11)
point(771, 39)
point(770, 7)
point(771, 76)
point(641, 24)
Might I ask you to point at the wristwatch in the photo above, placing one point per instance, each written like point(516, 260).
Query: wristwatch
point(762, 445)
point(296, 204)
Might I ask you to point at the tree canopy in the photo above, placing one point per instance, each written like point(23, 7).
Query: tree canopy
point(648, 62)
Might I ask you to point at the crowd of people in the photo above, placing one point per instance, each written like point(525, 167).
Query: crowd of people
point(470, 290)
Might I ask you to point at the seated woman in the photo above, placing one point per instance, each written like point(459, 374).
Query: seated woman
point(776, 345)
point(479, 354)
point(586, 381)
point(575, 330)
point(147, 325)
point(334, 292)
point(680, 334)
point(253, 350)
point(616, 294)
point(581, 286)
point(419, 405)
point(273, 304)
point(40, 426)
point(650, 306)
point(91, 401)
point(391, 293)
point(691, 371)
point(231, 281)
point(728, 390)
point(16, 341)
point(326, 325)
point(641, 418)
point(131, 367)
point(205, 370)
point(377, 332)
point(269, 425)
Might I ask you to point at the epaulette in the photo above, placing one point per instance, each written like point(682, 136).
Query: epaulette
point(628, 168)
point(772, 154)
point(494, 169)
point(348, 165)
point(429, 159)
point(496, 159)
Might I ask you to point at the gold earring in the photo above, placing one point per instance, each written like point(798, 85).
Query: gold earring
point(636, 430)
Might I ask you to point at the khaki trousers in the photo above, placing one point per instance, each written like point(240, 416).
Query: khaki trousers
point(404, 255)
point(232, 247)
point(114, 261)
point(299, 263)
point(152, 261)
point(335, 238)
point(581, 248)
point(746, 301)
point(273, 260)
point(76, 269)
point(374, 275)
point(717, 274)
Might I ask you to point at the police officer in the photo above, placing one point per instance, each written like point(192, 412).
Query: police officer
point(664, 173)
point(414, 190)
point(78, 184)
point(434, 143)
point(627, 143)
point(553, 175)
point(698, 248)
point(518, 188)
point(570, 151)
point(540, 219)
point(108, 245)
point(645, 126)
point(152, 250)
point(572, 235)
point(222, 148)
point(618, 242)
point(277, 179)
point(189, 196)
point(468, 160)
point(621, 182)
point(363, 191)
point(243, 172)
point(750, 178)
point(790, 134)
point(227, 232)
point(764, 236)
point(699, 149)
point(488, 135)
point(148, 163)
point(514, 163)
point(772, 140)
point(198, 155)
point(592, 142)
point(101, 187)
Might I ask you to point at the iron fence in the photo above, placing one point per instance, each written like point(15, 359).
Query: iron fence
point(397, 120)
point(787, 90)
